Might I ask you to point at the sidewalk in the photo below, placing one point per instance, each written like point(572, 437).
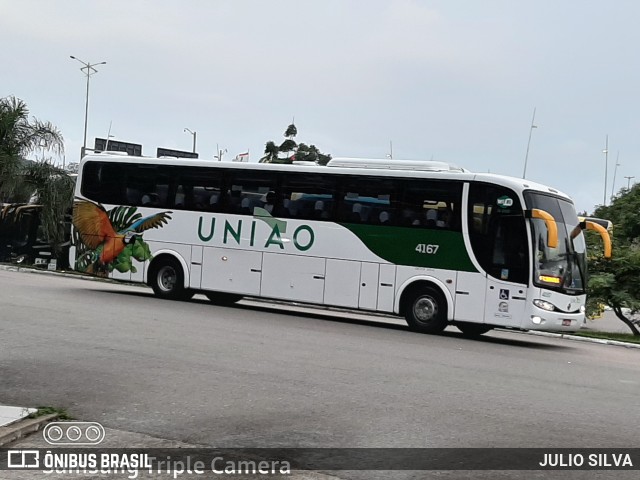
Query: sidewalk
point(9, 415)
point(609, 323)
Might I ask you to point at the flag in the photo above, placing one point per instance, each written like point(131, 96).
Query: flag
point(242, 157)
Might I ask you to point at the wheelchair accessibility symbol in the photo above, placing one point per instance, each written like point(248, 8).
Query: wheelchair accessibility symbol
point(504, 294)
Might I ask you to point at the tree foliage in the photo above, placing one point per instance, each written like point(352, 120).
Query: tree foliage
point(615, 282)
point(22, 180)
point(289, 150)
point(20, 137)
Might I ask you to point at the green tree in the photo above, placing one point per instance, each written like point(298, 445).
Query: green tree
point(20, 137)
point(615, 282)
point(21, 179)
point(270, 153)
point(301, 152)
point(53, 189)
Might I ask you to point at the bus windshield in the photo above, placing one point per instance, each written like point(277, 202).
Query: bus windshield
point(562, 268)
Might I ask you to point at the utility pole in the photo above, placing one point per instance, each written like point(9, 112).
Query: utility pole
point(90, 70)
point(220, 153)
point(615, 171)
point(628, 181)
point(526, 157)
point(606, 167)
point(193, 134)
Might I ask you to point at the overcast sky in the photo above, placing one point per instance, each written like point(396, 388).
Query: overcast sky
point(450, 80)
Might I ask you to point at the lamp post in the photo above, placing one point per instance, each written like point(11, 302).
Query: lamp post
point(628, 181)
point(194, 138)
point(220, 153)
point(526, 157)
point(89, 69)
point(615, 171)
point(606, 167)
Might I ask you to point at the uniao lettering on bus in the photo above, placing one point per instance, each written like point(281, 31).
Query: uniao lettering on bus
point(231, 233)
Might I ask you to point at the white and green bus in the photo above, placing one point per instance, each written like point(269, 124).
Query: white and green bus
point(432, 242)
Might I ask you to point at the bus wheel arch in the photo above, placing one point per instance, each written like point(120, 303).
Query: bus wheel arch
point(166, 275)
point(425, 306)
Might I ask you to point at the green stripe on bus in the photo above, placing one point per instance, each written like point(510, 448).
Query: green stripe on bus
point(415, 246)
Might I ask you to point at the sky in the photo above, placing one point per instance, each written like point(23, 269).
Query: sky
point(451, 80)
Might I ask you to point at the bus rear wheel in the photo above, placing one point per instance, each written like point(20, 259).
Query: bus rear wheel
point(166, 278)
point(221, 298)
point(472, 329)
point(426, 311)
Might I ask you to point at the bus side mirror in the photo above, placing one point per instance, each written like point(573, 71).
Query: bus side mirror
point(552, 226)
point(606, 238)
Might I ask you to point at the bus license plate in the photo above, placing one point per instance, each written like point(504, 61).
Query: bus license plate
point(566, 323)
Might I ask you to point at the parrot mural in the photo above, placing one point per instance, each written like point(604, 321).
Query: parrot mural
point(111, 240)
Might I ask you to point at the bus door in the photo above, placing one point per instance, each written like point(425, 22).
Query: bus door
point(498, 237)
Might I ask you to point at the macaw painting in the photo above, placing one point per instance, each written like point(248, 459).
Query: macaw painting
point(108, 240)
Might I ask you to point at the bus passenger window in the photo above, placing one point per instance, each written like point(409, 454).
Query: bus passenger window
point(364, 200)
point(431, 204)
point(309, 197)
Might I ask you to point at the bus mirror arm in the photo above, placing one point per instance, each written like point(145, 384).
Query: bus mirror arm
point(552, 226)
point(606, 238)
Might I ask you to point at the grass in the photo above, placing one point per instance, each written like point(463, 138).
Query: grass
point(62, 413)
point(620, 337)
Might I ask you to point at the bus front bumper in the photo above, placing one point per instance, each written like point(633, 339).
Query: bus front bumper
point(553, 321)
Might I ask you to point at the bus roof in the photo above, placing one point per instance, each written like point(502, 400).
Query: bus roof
point(349, 166)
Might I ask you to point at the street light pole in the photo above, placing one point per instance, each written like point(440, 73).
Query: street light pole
point(90, 70)
point(628, 181)
point(526, 157)
point(194, 138)
point(606, 168)
point(615, 171)
point(220, 153)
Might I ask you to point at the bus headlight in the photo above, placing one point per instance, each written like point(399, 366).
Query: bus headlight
point(582, 309)
point(544, 305)
point(536, 320)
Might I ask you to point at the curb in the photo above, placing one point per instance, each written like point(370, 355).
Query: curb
point(60, 273)
point(22, 428)
point(577, 338)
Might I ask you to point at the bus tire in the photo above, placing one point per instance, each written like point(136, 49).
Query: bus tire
point(472, 329)
point(426, 310)
point(222, 298)
point(166, 278)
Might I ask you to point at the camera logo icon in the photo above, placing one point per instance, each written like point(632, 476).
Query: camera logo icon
point(73, 433)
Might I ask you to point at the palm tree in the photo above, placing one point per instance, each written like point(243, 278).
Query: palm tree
point(270, 153)
point(22, 179)
point(20, 137)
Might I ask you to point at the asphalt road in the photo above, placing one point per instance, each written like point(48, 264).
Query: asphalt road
point(252, 376)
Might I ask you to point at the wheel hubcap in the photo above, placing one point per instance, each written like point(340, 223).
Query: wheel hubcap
point(425, 309)
point(167, 278)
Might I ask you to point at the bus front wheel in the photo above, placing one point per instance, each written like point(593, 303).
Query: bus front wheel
point(426, 310)
point(166, 278)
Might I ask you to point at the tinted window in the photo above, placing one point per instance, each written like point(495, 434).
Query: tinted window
point(199, 189)
point(248, 190)
point(307, 196)
point(103, 182)
point(370, 200)
point(430, 204)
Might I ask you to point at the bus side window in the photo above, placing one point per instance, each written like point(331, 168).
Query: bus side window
point(305, 196)
point(250, 189)
point(365, 199)
point(195, 190)
point(431, 204)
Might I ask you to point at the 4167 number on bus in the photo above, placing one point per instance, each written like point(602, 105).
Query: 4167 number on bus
point(427, 248)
